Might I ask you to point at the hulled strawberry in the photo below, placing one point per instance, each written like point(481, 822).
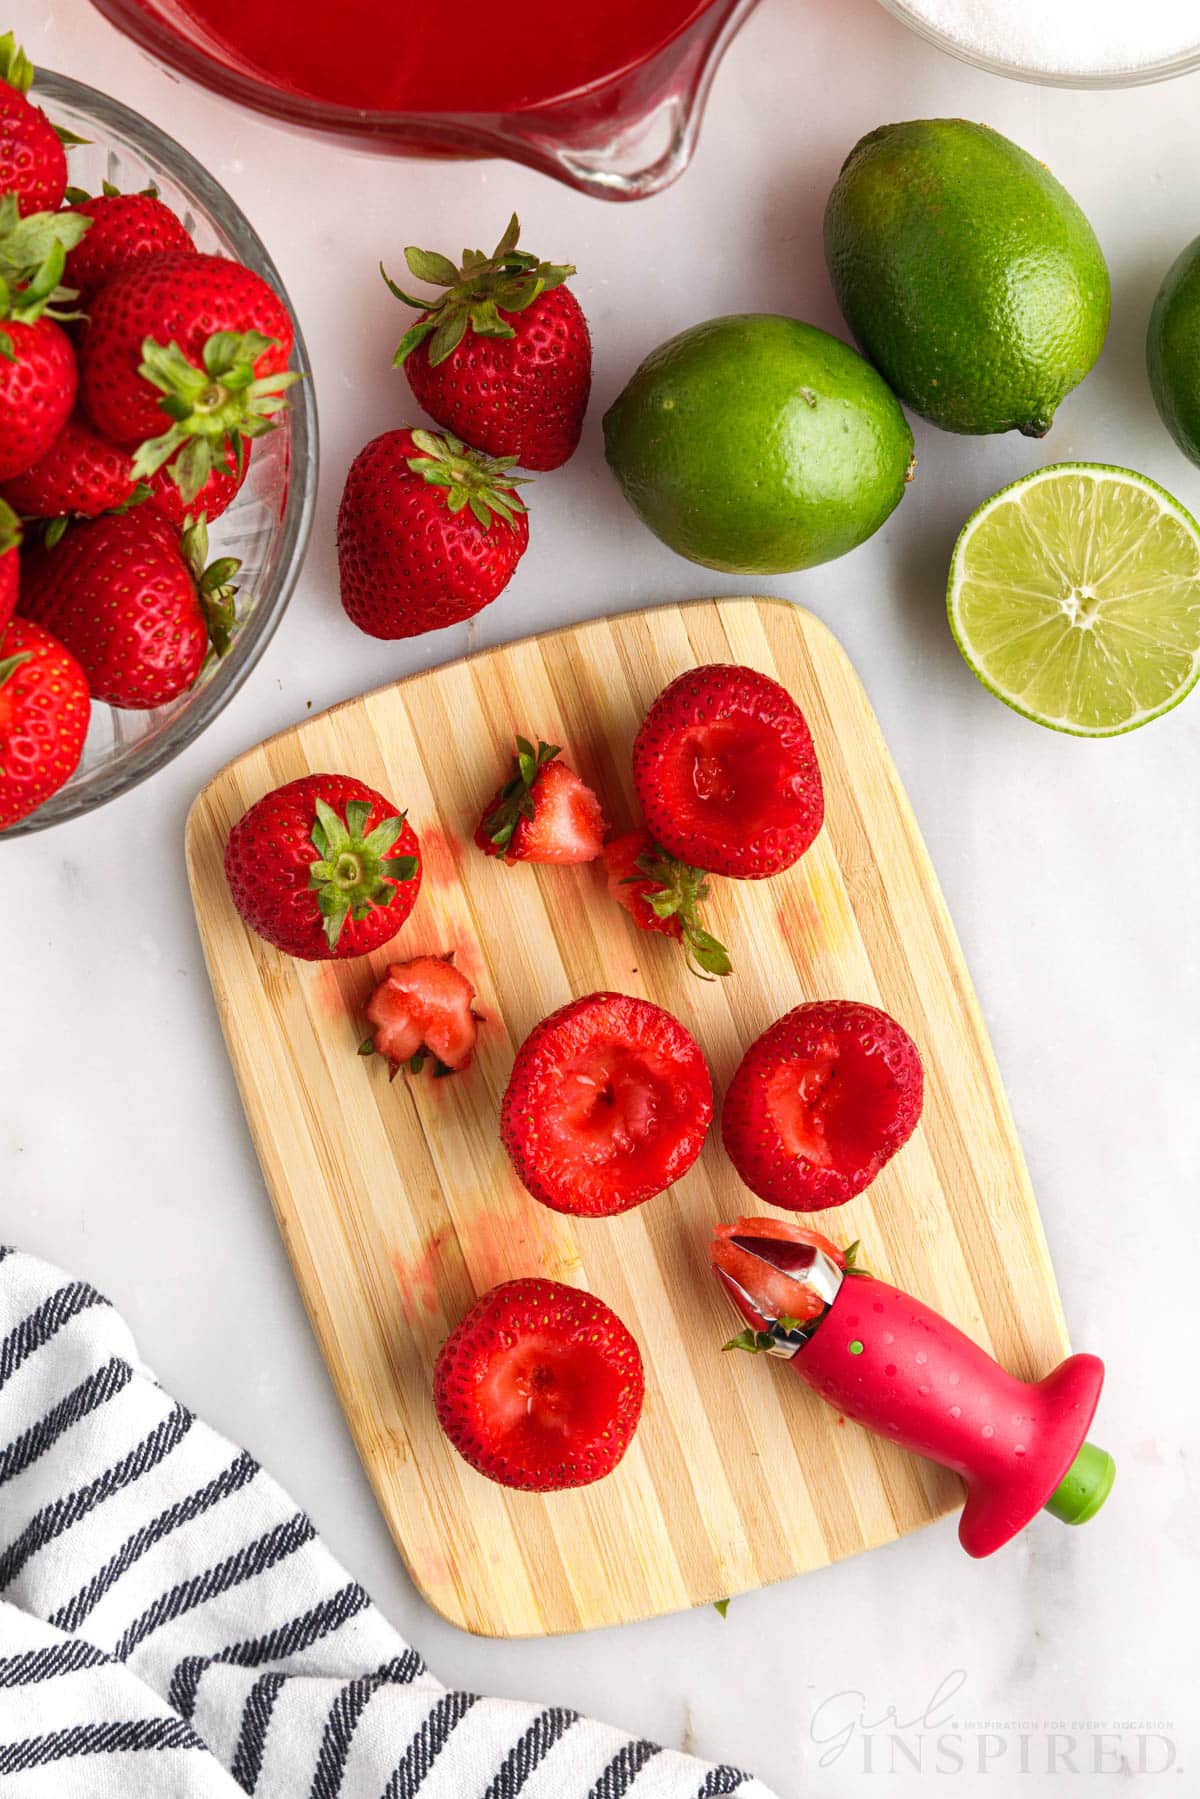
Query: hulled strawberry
point(10, 562)
point(663, 895)
point(609, 1101)
point(423, 1008)
point(124, 228)
point(33, 162)
point(726, 774)
point(543, 812)
point(44, 710)
point(134, 603)
point(540, 1387)
point(215, 496)
point(185, 356)
point(820, 1103)
point(503, 358)
point(80, 475)
point(38, 376)
point(428, 533)
point(324, 867)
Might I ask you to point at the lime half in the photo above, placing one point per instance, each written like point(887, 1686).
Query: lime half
point(1075, 597)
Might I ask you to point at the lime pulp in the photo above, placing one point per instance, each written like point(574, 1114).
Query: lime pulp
point(1074, 597)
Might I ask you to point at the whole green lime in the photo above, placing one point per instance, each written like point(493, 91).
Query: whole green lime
point(1173, 351)
point(758, 444)
point(967, 273)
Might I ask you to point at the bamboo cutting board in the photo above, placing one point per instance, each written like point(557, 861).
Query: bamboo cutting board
point(397, 1204)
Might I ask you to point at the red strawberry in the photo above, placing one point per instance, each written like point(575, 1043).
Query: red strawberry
point(124, 228)
point(663, 895)
point(183, 355)
point(820, 1102)
point(33, 162)
point(540, 1387)
point(10, 562)
point(44, 711)
point(81, 473)
point(503, 358)
point(543, 812)
point(37, 364)
point(609, 1101)
point(726, 773)
point(428, 533)
point(323, 867)
point(423, 1008)
point(216, 496)
point(134, 603)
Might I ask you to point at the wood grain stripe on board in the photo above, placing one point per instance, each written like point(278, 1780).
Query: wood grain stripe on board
point(397, 1204)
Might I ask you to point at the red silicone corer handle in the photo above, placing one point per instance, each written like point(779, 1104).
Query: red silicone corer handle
point(889, 1363)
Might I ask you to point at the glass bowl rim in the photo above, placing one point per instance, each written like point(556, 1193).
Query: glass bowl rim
point(1143, 76)
point(296, 522)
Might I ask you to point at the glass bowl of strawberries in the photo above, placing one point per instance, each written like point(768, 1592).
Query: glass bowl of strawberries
point(126, 612)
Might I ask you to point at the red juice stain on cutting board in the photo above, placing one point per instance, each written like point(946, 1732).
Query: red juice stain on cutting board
point(409, 56)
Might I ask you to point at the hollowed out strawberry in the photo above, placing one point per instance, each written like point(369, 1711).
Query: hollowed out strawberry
point(608, 1103)
point(726, 773)
point(820, 1103)
point(322, 867)
point(423, 1008)
point(543, 813)
point(540, 1387)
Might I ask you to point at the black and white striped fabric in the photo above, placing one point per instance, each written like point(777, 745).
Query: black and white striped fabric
point(171, 1625)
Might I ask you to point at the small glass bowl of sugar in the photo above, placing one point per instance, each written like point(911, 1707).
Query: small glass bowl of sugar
point(1063, 43)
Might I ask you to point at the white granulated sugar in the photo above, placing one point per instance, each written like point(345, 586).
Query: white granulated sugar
point(1067, 37)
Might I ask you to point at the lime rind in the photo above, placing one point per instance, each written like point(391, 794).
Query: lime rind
point(1074, 597)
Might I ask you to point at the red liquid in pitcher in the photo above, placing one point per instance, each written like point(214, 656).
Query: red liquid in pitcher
point(473, 56)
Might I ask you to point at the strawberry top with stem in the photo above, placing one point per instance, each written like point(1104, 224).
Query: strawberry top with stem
point(484, 483)
point(213, 408)
point(673, 890)
point(33, 256)
point(515, 799)
point(352, 871)
point(478, 293)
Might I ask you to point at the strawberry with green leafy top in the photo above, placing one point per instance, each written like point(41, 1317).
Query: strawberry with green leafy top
point(543, 812)
point(664, 895)
point(38, 376)
point(33, 162)
point(428, 533)
point(124, 227)
point(10, 562)
point(219, 491)
point(323, 867)
point(134, 603)
point(423, 1008)
point(44, 711)
point(503, 358)
point(184, 359)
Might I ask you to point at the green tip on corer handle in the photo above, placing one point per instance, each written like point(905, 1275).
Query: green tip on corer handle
point(1085, 1486)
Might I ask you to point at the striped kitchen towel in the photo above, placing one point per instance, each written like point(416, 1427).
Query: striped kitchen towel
point(171, 1625)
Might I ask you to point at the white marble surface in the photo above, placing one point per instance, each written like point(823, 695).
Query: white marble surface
point(1071, 868)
